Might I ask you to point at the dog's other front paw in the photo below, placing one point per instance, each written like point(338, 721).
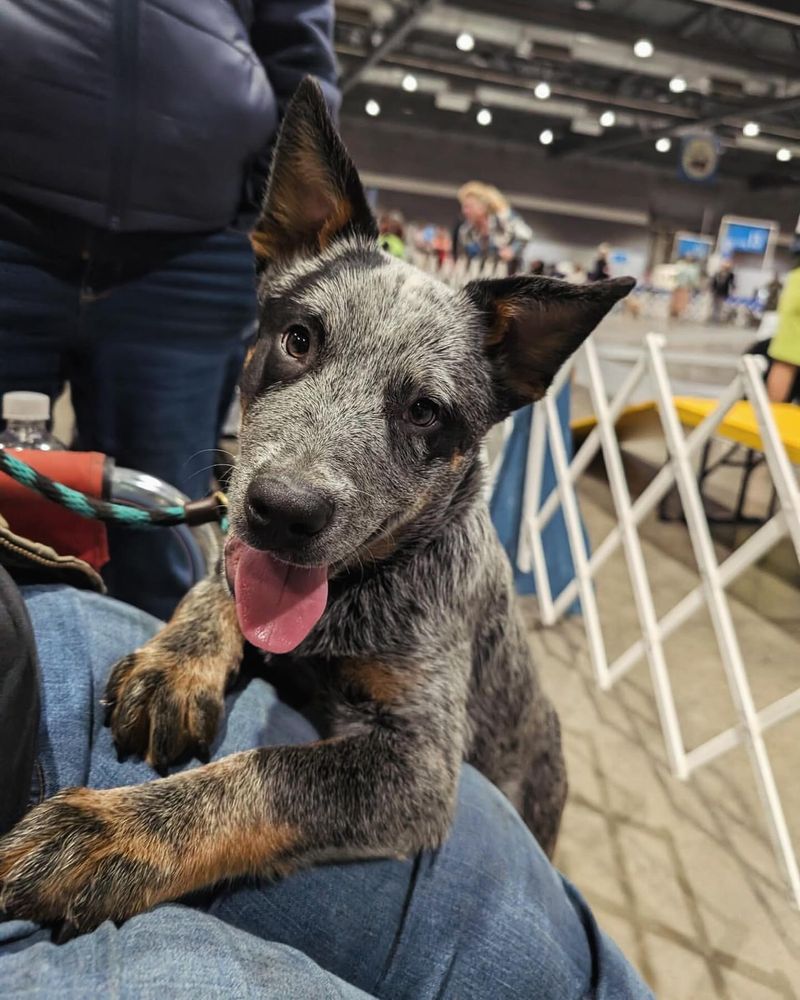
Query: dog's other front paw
point(77, 857)
point(162, 706)
point(167, 698)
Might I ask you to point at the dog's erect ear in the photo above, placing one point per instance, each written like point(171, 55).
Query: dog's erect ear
point(532, 325)
point(314, 194)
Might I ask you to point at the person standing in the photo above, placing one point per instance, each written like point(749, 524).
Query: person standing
point(784, 348)
point(771, 294)
point(491, 229)
point(391, 230)
point(136, 140)
point(687, 282)
point(722, 286)
point(600, 268)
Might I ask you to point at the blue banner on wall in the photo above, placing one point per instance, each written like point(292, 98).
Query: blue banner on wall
point(741, 238)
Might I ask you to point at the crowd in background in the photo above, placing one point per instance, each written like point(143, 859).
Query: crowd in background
point(487, 230)
point(489, 233)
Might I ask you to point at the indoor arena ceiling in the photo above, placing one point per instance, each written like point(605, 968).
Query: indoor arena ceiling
point(598, 78)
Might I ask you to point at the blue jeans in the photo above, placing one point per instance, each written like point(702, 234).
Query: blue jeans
point(152, 364)
point(486, 916)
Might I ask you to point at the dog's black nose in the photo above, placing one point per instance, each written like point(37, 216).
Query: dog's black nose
point(283, 514)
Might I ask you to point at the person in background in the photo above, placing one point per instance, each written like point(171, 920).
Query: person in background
point(773, 293)
point(491, 229)
point(687, 282)
point(600, 268)
point(770, 295)
point(136, 140)
point(784, 348)
point(442, 244)
point(391, 227)
point(722, 286)
point(571, 271)
point(579, 275)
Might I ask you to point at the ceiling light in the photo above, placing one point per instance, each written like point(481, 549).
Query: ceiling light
point(542, 91)
point(410, 83)
point(664, 144)
point(751, 130)
point(584, 4)
point(678, 84)
point(546, 137)
point(465, 42)
point(643, 48)
point(784, 154)
point(484, 117)
point(372, 108)
point(607, 119)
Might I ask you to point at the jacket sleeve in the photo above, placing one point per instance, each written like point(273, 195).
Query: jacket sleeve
point(293, 39)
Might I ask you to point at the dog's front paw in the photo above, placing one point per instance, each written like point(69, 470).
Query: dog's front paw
point(78, 857)
point(163, 706)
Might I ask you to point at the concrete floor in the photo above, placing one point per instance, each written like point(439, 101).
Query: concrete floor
point(682, 875)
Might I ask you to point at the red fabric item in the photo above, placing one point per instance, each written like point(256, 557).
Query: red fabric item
point(41, 520)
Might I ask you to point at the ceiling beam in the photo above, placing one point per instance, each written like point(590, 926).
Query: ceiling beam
point(723, 116)
point(475, 74)
point(655, 110)
point(625, 30)
point(784, 13)
point(692, 21)
point(396, 33)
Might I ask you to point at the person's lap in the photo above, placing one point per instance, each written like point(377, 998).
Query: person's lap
point(486, 915)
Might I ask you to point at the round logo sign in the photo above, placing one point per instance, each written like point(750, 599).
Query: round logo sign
point(699, 156)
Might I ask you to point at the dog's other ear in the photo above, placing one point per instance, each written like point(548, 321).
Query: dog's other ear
point(532, 325)
point(314, 194)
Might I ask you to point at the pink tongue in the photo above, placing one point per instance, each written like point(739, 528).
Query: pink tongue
point(277, 604)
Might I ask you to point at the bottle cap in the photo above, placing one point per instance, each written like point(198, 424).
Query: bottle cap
point(26, 406)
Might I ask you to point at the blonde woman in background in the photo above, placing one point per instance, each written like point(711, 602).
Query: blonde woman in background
point(491, 229)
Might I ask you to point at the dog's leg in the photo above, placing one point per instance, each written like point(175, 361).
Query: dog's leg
point(544, 790)
point(167, 697)
point(386, 788)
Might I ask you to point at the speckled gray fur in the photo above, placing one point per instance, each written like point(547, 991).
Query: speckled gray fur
point(440, 607)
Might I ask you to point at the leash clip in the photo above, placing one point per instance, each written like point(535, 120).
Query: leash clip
point(209, 509)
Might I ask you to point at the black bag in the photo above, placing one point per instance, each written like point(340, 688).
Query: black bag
point(19, 704)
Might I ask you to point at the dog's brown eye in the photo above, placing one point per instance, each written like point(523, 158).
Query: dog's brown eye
point(297, 341)
point(423, 412)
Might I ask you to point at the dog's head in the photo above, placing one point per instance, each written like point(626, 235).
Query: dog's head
point(371, 384)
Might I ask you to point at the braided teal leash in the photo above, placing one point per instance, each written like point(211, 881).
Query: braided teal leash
point(213, 508)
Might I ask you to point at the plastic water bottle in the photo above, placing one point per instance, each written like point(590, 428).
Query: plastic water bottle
point(27, 415)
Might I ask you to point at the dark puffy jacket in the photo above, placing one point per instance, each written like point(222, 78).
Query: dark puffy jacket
point(150, 114)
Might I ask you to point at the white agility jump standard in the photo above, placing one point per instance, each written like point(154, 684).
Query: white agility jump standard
point(714, 577)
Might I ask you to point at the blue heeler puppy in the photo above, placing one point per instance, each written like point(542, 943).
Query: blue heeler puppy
point(361, 555)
